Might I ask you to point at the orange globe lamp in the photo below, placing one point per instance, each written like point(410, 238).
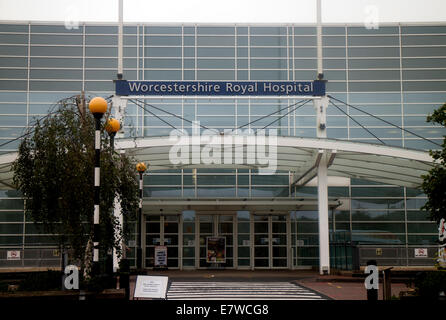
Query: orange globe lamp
point(141, 167)
point(112, 126)
point(97, 106)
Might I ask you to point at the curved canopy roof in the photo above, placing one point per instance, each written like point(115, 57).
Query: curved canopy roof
point(380, 163)
point(301, 156)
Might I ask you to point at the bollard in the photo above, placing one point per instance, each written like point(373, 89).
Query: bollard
point(372, 280)
point(387, 284)
point(124, 277)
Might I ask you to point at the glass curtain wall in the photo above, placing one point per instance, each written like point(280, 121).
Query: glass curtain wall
point(396, 72)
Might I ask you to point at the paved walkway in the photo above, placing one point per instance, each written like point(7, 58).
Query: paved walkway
point(307, 283)
point(347, 290)
point(240, 290)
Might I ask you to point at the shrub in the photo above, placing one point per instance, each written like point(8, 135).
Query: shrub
point(429, 284)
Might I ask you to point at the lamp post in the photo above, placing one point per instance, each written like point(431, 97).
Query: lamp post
point(97, 106)
point(141, 168)
point(112, 127)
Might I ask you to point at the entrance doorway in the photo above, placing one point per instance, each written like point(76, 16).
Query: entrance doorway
point(162, 230)
point(216, 225)
point(271, 241)
point(252, 240)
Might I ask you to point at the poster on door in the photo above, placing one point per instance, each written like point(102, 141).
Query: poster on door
point(160, 256)
point(216, 250)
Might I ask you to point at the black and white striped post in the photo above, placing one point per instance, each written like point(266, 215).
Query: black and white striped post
point(97, 106)
point(112, 127)
point(141, 168)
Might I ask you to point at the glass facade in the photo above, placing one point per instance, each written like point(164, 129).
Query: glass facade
point(397, 73)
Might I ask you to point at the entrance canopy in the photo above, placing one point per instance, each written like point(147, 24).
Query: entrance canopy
point(384, 164)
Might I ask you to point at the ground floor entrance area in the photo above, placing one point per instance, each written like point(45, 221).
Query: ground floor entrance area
point(221, 240)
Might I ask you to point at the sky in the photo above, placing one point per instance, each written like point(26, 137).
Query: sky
point(225, 11)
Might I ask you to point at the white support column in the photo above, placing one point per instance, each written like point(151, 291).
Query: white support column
point(319, 37)
point(120, 37)
point(320, 106)
point(119, 106)
point(324, 243)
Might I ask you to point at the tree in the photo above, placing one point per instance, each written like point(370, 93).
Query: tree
point(434, 183)
point(54, 171)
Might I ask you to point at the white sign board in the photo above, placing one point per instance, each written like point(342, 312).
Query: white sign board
point(442, 257)
point(160, 256)
point(151, 287)
point(421, 253)
point(13, 255)
point(442, 230)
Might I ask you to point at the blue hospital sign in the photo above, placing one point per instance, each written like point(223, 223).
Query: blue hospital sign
point(220, 88)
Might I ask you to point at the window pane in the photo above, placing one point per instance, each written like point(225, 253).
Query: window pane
point(56, 39)
point(162, 41)
point(215, 30)
point(424, 40)
point(374, 86)
point(268, 30)
point(55, 74)
point(382, 215)
point(13, 73)
point(377, 203)
point(101, 40)
point(57, 51)
point(57, 62)
point(162, 63)
point(215, 52)
point(374, 41)
point(424, 51)
point(424, 63)
point(13, 50)
point(423, 74)
point(14, 39)
point(36, 28)
point(216, 63)
point(215, 41)
point(373, 63)
point(373, 52)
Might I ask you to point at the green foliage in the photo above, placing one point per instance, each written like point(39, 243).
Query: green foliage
point(55, 173)
point(434, 184)
point(429, 284)
point(3, 286)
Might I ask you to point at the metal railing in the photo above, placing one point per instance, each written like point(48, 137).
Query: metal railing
point(31, 258)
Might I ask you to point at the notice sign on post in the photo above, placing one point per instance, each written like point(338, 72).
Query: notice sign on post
point(13, 255)
point(151, 287)
point(216, 250)
point(421, 253)
point(160, 256)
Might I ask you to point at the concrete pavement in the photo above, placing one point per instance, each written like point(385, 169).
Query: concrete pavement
point(336, 287)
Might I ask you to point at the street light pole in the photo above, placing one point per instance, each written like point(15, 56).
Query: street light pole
point(141, 168)
point(112, 127)
point(97, 106)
